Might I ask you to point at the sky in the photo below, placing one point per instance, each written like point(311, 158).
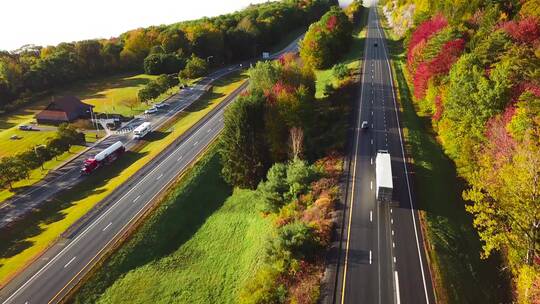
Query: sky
point(49, 22)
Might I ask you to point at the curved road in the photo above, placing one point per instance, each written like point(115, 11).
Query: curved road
point(61, 267)
point(383, 258)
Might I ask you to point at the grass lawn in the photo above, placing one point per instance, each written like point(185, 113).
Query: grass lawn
point(199, 246)
point(37, 174)
point(454, 246)
point(114, 94)
point(31, 236)
point(352, 59)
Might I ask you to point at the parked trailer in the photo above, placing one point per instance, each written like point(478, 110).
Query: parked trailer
point(104, 157)
point(142, 130)
point(383, 172)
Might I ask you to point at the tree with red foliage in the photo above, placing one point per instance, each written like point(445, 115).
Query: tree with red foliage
point(424, 31)
point(439, 65)
point(526, 30)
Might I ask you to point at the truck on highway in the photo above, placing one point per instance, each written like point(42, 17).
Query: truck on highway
point(383, 176)
point(104, 157)
point(142, 130)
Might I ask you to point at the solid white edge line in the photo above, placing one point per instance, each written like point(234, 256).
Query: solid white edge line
point(405, 166)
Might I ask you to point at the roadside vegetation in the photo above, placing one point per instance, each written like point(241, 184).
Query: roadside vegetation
point(472, 70)
point(30, 236)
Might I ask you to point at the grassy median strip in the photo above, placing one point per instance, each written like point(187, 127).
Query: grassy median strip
point(198, 246)
point(27, 238)
point(460, 276)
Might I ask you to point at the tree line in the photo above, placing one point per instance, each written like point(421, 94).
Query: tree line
point(156, 49)
point(18, 167)
point(475, 69)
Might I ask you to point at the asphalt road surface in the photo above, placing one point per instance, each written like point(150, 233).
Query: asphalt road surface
point(382, 258)
point(63, 265)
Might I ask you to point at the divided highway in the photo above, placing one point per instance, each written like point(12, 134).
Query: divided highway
point(382, 258)
point(61, 267)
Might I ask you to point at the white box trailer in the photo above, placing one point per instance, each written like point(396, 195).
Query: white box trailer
point(383, 175)
point(142, 130)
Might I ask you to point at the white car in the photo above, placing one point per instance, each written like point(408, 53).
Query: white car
point(151, 111)
point(161, 105)
point(364, 125)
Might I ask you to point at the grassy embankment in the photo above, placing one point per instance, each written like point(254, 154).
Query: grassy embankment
point(460, 276)
point(29, 237)
point(199, 246)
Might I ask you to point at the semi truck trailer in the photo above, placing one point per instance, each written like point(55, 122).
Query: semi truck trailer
point(104, 157)
point(383, 175)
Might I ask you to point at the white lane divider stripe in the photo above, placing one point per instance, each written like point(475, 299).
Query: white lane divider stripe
point(107, 226)
point(196, 143)
point(370, 257)
point(70, 261)
point(160, 176)
point(371, 185)
point(396, 277)
point(138, 196)
point(371, 215)
point(180, 158)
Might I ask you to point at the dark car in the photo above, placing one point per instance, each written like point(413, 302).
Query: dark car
point(25, 128)
point(375, 44)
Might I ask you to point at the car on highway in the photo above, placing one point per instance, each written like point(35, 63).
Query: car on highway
point(25, 128)
point(161, 105)
point(375, 44)
point(364, 125)
point(151, 111)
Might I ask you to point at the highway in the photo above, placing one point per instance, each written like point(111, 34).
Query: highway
point(64, 264)
point(382, 258)
point(69, 175)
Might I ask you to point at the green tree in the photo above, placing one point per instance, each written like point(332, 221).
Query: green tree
point(506, 205)
point(12, 169)
point(274, 190)
point(195, 67)
point(242, 144)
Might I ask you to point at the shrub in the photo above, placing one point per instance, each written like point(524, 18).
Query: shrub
point(340, 71)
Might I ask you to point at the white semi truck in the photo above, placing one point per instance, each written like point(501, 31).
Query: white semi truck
point(383, 172)
point(142, 130)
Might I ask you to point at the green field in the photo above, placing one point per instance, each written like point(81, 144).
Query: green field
point(460, 275)
point(31, 236)
point(199, 246)
point(115, 94)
